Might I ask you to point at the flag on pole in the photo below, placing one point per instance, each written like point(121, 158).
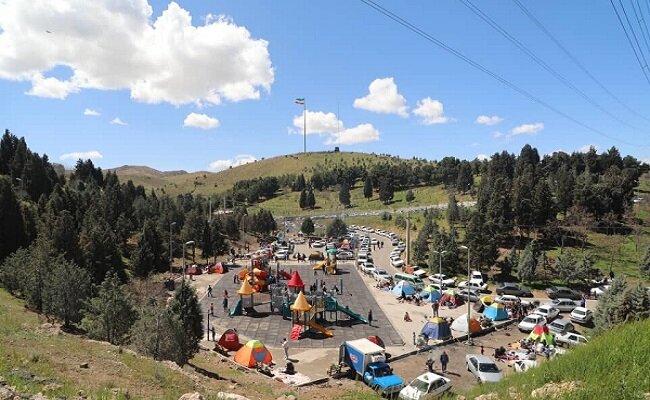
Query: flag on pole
point(300, 100)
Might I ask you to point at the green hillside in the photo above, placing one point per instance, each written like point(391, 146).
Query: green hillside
point(613, 366)
point(203, 182)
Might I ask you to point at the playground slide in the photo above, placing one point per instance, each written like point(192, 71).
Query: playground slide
point(320, 328)
point(320, 266)
point(295, 332)
point(237, 310)
point(351, 314)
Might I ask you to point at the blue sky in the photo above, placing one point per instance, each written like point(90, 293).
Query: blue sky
point(220, 90)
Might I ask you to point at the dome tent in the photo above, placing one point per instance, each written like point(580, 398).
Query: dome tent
point(403, 288)
point(253, 352)
point(495, 312)
point(437, 329)
point(460, 324)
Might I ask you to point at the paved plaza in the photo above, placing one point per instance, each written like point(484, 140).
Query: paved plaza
point(271, 329)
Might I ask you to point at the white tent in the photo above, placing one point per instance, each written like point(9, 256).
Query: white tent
point(460, 324)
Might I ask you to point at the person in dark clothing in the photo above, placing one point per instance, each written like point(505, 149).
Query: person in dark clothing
point(444, 360)
point(225, 304)
point(429, 364)
point(370, 317)
point(212, 309)
point(214, 334)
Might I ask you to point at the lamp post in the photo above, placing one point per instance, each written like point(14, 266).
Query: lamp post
point(469, 309)
point(191, 242)
point(171, 257)
point(440, 253)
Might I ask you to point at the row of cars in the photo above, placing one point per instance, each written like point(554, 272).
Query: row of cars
point(564, 330)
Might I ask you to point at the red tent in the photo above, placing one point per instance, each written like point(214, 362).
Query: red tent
point(230, 340)
point(296, 281)
point(377, 340)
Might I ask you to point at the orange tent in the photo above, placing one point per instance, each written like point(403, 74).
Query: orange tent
point(252, 353)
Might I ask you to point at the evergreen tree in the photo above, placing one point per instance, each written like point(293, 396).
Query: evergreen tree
point(219, 244)
point(185, 306)
point(336, 228)
point(386, 190)
point(12, 229)
point(637, 302)
point(307, 226)
point(159, 334)
point(206, 242)
point(311, 199)
point(527, 268)
point(149, 256)
point(299, 184)
point(452, 209)
point(409, 196)
point(302, 201)
point(645, 264)
point(99, 249)
point(567, 267)
point(465, 178)
point(15, 271)
point(344, 195)
point(367, 187)
point(611, 307)
point(110, 315)
point(481, 240)
point(65, 291)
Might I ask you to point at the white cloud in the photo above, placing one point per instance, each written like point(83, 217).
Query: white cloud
point(587, 147)
point(383, 98)
point(241, 159)
point(118, 121)
point(482, 157)
point(487, 120)
point(83, 155)
point(527, 129)
point(116, 44)
point(317, 123)
point(201, 121)
point(431, 111)
point(91, 113)
point(497, 134)
point(362, 133)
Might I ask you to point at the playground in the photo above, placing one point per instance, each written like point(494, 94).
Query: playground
point(297, 308)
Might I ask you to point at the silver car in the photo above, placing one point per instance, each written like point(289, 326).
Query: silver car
point(483, 368)
point(564, 305)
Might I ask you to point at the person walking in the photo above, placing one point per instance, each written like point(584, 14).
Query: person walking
point(225, 304)
point(369, 317)
point(444, 360)
point(583, 301)
point(285, 347)
point(214, 334)
point(429, 364)
point(435, 306)
point(225, 293)
point(212, 309)
point(209, 291)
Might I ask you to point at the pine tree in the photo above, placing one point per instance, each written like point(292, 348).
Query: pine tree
point(219, 244)
point(159, 334)
point(344, 195)
point(637, 303)
point(386, 190)
point(99, 249)
point(299, 184)
point(207, 242)
point(452, 209)
point(307, 226)
point(185, 306)
point(110, 315)
point(367, 187)
point(311, 199)
point(465, 178)
point(65, 291)
point(611, 307)
point(12, 229)
point(302, 201)
point(567, 267)
point(409, 196)
point(149, 255)
point(645, 264)
point(336, 228)
point(527, 268)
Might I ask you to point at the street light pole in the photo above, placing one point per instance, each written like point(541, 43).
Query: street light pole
point(191, 242)
point(469, 309)
point(440, 253)
point(171, 257)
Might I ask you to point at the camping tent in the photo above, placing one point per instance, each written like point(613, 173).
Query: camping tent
point(230, 340)
point(540, 333)
point(479, 307)
point(403, 288)
point(453, 298)
point(431, 294)
point(377, 340)
point(460, 324)
point(436, 329)
point(253, 352)
point(495, 312)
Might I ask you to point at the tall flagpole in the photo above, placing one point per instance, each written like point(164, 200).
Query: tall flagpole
point(304, 130)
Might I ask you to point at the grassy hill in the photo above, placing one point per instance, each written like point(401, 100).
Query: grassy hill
point(203, 182)
point(613, 366)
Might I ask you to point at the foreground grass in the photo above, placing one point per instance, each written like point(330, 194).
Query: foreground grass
point(612, 366)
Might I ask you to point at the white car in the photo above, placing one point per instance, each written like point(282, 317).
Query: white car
point(437, 286)
point(396, 262)
point(581, 315)
point(442, 279)
point(483, 368)
point(381, 275)
point(374, 242)
point(547, 311)
point(507, 299)
point(368, 268)
point(571, 338)
point(424, 387)
point(480, 286)
point(564, 305)
point(524, 365)
point(598, 291)
point(318, 243)
point(531, 321)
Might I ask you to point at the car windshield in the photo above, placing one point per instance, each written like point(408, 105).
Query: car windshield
point(488, 368)
point(532, 320)
point(379, 373)
point(420, 385)
point(579, 312)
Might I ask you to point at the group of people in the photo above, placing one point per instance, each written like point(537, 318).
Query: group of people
point(444, 361)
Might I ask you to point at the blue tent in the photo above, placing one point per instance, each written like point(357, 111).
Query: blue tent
point(495, 312)
point(431, 295)
point(436, 329)
point(403, 288)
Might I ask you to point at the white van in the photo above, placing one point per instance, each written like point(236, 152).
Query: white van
point(412, 279)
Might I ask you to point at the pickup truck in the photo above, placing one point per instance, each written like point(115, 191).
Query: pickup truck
point(368, 360)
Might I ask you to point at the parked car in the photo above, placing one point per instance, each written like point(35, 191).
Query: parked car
point(424, 387)
point(480, 286)
point(437, 286)
point(345, 255)
point(548, 312)
point(571, 338)
point(524, 365)
point(442, 279)
point(483, 368)
point(514, 290)
point(598, 291)
point(368, 268)
point(560, 292)
point(318, 243)
point(381, 275)
point(396, 262)
point(564, 305)
point(581, 315)
point(507, 299)
point(531, 321)
point(472, 294)
point(561, 326)
point(476, 276)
